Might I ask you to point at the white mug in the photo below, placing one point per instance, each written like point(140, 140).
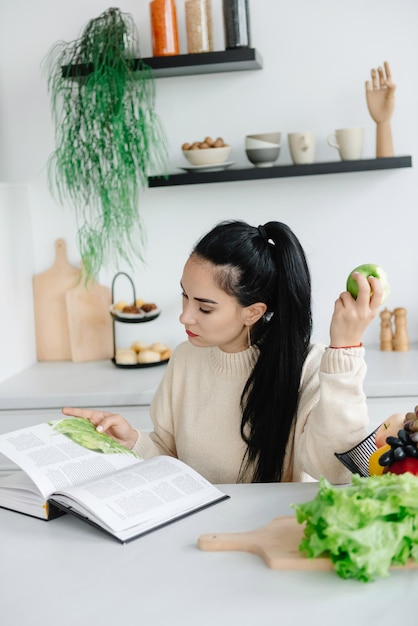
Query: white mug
point(349, 143)
point(302, 147)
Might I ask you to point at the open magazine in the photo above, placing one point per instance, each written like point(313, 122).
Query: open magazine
point(67, 466)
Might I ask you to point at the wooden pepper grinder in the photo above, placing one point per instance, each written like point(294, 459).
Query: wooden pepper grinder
point(386, 334)
point(400, 339)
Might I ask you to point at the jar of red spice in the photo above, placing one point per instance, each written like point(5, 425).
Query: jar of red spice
point(165, 38)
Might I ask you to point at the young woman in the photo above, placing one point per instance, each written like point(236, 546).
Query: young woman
point(248, 397)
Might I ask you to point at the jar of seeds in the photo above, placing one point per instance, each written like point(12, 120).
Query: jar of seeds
point(199, 26)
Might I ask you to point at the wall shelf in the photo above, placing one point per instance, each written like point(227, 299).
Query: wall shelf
point(234, 60)
point(280, 171)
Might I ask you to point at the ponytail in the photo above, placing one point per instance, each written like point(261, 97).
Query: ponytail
point(270, 397)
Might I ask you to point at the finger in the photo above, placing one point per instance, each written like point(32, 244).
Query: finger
point(377, 292)
point(391, 90)
point(374, 79)
point(343, 301)
point(107, 421)
point(363, 296)
point(338, 305)
point(73, 412)
point(93, 415)
point(388, 72)
point(382, 81)
point(368, 86)
point(389, 82)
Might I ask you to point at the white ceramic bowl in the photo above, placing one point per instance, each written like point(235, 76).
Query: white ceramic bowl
point(263, 140)
point(207, 156)
point(256, 144)
point(263, 157)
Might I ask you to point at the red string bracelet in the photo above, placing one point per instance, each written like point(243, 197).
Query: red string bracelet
point(359, 345)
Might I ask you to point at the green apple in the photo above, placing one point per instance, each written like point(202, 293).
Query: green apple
point(369, 269)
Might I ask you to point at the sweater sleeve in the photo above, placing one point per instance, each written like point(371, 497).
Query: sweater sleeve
point(332, 414)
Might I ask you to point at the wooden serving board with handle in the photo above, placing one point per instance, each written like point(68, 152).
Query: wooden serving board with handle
point(89, 321)
point(276, 543)
point(51, 322)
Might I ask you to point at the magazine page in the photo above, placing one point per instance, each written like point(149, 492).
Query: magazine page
point(141, 497)
point(64, 452)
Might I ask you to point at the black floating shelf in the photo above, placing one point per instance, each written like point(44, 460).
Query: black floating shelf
point(233, 60)
point(280, 171)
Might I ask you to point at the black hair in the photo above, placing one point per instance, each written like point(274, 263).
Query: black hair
point(266, 264)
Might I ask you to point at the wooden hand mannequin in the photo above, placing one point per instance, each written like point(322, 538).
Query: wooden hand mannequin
point(380, 96)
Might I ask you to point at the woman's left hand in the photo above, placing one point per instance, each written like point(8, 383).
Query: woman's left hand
point(352, 316)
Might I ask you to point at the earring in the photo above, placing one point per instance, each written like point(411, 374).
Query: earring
point(249, 336)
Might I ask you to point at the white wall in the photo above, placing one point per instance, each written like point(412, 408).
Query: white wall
point(317, 57)
point(17, 338)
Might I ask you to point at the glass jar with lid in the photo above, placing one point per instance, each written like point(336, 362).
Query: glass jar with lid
point(164, 30)
point(199, 26)
point(236, 16)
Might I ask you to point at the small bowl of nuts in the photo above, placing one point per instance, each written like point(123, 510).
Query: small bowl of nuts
point(207, 152)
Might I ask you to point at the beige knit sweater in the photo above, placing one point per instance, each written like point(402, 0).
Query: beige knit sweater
point(196, 412)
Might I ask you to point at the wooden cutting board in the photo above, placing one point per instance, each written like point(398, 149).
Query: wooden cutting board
point(89, 321)
point(276, 543)
point(51, 322)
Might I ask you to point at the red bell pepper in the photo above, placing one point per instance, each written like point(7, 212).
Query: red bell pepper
point(406, 465)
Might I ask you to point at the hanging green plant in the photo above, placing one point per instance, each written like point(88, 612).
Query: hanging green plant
point(108, 137)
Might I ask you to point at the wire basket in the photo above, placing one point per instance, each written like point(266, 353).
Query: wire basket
point(357, 459)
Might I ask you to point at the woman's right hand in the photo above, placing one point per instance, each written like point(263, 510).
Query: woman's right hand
point(112, 424)
point(352, 316)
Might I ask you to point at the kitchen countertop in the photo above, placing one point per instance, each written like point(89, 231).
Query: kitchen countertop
point(100, 383)
point(391, 373)
point(94, 383)
point(66, 572)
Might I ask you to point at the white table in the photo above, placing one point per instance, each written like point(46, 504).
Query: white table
point(65, 572)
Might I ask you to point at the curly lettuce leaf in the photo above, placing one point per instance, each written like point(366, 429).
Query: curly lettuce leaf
point(365, 527)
